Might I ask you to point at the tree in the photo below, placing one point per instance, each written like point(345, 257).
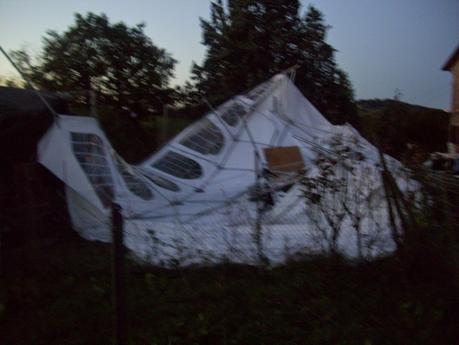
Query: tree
point(318, 77)
point(119, 62)
point(248, 41)
point(11, 82)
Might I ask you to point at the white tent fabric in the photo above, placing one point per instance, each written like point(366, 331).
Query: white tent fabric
point(191, 201)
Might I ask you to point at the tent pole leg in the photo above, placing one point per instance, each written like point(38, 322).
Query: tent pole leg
point(119, 276)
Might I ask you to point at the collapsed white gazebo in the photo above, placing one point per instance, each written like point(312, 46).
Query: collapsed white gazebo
point(193, 201)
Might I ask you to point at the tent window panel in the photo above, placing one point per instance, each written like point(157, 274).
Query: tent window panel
point(258, 92)
point(95, 169)
point(177, 165)
point(205, 139)
point(104, 193)
point(87, 138)
point(84, 148)
point(232, 113)
point(90, 154)
point(163, 183)
point(85, 142)
point(133, 183)
point(91, 159)
point(137, 187)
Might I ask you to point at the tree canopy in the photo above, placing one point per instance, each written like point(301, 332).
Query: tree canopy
point(119, 62)
point(250, 40)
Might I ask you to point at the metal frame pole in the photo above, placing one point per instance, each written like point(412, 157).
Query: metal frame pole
point(119, 277)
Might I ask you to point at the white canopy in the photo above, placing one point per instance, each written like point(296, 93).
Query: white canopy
point(192, 199)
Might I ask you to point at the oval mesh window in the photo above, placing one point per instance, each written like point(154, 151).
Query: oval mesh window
point(232, 113)
point(206, 138)
point(258, 92)
point(177, 165)
point(133, 182)
point(90, 153)
point(163, 183)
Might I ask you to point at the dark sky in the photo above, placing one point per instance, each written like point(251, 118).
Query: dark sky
point(382, 45)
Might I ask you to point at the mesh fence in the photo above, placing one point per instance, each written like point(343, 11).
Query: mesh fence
point(54, 278)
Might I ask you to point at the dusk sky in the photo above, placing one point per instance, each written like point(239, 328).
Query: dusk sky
point(382, 45)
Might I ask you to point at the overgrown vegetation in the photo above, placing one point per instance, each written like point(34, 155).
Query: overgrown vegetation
point(407, 132)
point(57, 290)
point(62, 295)
point(341, 188)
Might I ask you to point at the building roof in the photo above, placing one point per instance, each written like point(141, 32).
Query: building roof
point(23, 121)
point(15, 100)
point(452, 60)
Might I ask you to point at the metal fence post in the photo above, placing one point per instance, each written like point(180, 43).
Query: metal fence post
point(258, 230)
point(119, 276)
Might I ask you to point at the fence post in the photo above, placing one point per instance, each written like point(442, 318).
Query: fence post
point(92, 103)
point(390, 198)
point(165, 124)
point(258, 230)
point(119, 276)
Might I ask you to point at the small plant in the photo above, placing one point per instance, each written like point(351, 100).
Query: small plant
point(338, 193)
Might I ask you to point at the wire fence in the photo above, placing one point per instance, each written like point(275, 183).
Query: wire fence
point(269, 221)
point(355, 214)
point(244, 229)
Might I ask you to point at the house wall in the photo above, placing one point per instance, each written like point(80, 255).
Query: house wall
point(454, 122)
point(455, 104)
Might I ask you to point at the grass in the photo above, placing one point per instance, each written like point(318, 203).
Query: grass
point(59, 292)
